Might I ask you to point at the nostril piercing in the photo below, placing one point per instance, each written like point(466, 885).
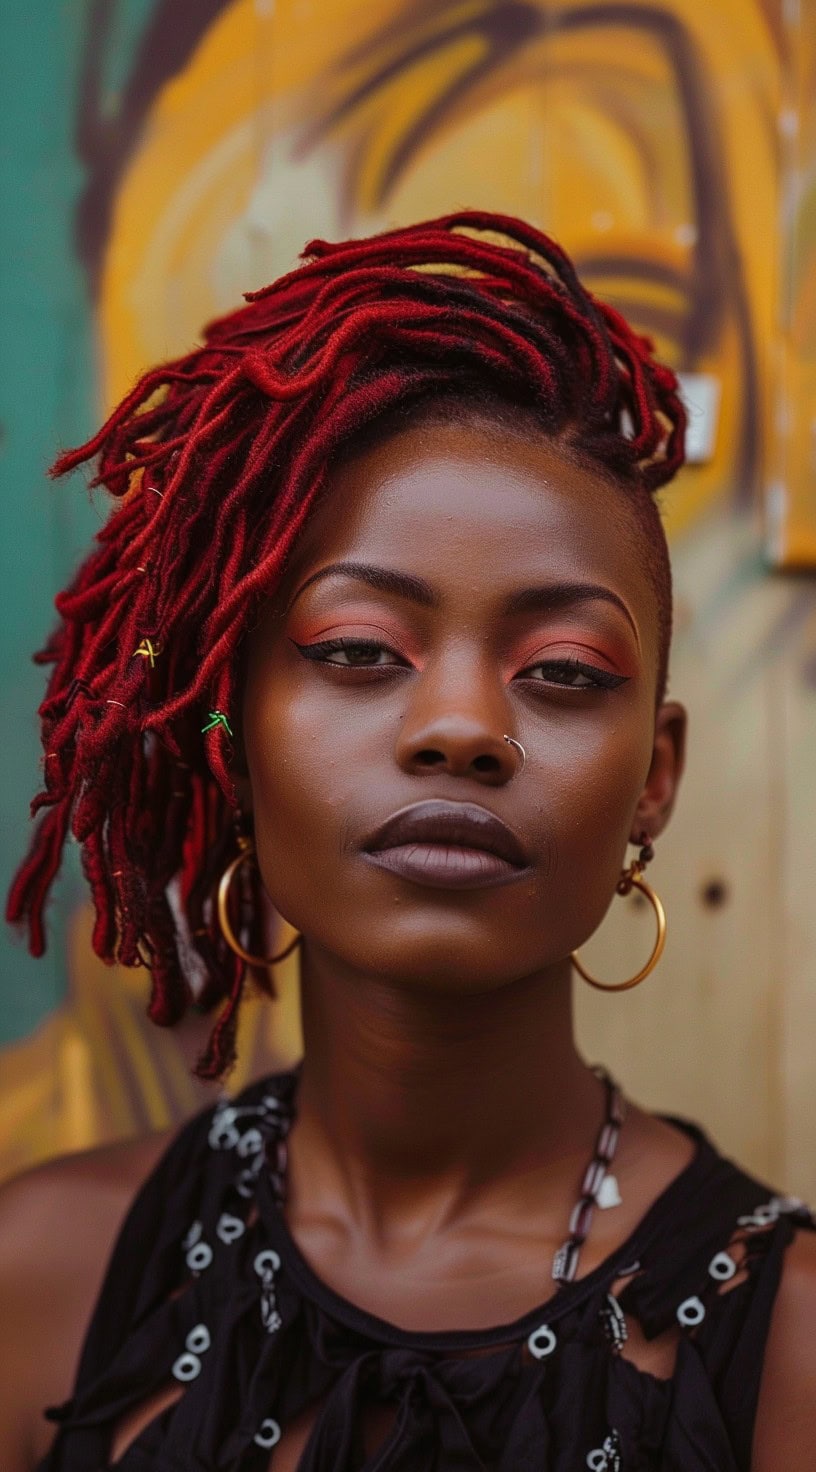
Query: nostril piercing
point(511, 741)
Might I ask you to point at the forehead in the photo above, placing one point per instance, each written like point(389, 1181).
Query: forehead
point(479, 511)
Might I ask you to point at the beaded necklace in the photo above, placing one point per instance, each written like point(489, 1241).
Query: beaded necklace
point(565, 1260)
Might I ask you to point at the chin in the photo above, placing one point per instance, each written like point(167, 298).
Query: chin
point(460, 960)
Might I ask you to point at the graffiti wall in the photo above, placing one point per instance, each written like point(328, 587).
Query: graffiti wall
point(170, 154)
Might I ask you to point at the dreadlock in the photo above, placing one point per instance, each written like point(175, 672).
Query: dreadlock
point(214, 461)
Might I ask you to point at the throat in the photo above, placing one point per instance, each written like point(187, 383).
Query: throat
point(420, 1106)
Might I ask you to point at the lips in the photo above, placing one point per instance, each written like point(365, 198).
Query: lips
point(447, 845)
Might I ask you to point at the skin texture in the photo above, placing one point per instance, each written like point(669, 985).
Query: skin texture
point(444, 1115)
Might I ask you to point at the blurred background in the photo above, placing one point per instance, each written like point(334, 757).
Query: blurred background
point(162, 156)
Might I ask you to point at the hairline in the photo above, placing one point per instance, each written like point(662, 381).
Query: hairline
point(481, 405)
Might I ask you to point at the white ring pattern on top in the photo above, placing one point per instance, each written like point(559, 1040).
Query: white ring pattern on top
point(542, 1342)
point(236, 1128)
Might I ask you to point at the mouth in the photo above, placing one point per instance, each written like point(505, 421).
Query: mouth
point(448, 845)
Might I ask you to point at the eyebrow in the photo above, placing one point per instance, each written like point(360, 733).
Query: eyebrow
point(548, 598)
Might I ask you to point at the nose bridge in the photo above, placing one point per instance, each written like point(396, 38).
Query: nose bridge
point(458, 715)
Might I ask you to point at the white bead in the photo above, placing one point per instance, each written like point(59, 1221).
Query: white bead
point(199, 1257)
point(608, 1140)
point(593, 1179)
point(245, 1181)
point(609, 1193)
point(266, 1262)
point(229, 1228)
point(788, 1203)
point(187, 1367)
point(223, 1135)
point(722, 1267)
point(766, 1214)
point(578, 1210)
point(193, 1236)
point(250, 1143)
point(269, 1433)
point(690, 1312)
point(606, 1458)
point(541, 1342)
point(198, 1340)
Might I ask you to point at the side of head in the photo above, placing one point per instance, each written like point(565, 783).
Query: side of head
point(222, 463)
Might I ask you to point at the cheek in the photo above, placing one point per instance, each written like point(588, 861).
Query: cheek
point(594, 780)
point(301, 778)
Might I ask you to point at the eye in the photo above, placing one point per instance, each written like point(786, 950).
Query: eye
point(347, 653)
point(572, 674)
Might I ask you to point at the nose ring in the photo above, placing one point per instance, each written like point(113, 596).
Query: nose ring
point(511, 741)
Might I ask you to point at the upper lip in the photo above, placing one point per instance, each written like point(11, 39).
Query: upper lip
point(464, 824)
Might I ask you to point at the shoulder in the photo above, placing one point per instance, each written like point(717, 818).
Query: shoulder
point(58, 1215)
point(109, 1170)
point(58, 1223)
point(68, 1223)
point(785, 1434)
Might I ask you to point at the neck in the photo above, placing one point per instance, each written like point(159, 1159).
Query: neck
point(409, 1096)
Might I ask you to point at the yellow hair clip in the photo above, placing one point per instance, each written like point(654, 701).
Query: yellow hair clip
point(148, 650)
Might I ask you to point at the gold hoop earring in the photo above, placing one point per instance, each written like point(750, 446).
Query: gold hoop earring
point(246, 850)
point(632, 878)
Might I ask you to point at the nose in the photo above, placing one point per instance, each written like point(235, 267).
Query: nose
point(456, 726)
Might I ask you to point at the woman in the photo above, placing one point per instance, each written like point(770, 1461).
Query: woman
point(380, 631)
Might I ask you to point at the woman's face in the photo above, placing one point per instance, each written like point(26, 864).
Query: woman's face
point(457, 583)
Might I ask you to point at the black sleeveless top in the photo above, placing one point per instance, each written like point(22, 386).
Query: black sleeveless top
point(206, 1287)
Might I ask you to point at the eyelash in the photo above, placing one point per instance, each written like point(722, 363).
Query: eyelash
point(599, 679)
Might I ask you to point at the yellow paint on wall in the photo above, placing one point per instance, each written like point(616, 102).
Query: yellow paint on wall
point(581, 131)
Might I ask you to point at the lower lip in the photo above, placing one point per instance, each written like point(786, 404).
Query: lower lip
point(439, 866)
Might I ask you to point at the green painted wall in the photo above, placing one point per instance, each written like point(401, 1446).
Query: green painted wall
point(47, 399)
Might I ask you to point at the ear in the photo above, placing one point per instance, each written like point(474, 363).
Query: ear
point(657, 799)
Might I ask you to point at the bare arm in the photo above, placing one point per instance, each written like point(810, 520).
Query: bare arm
point(785, 1435)
point(57, 1228)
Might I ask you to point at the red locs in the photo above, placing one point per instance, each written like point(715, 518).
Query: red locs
point(215, 460)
